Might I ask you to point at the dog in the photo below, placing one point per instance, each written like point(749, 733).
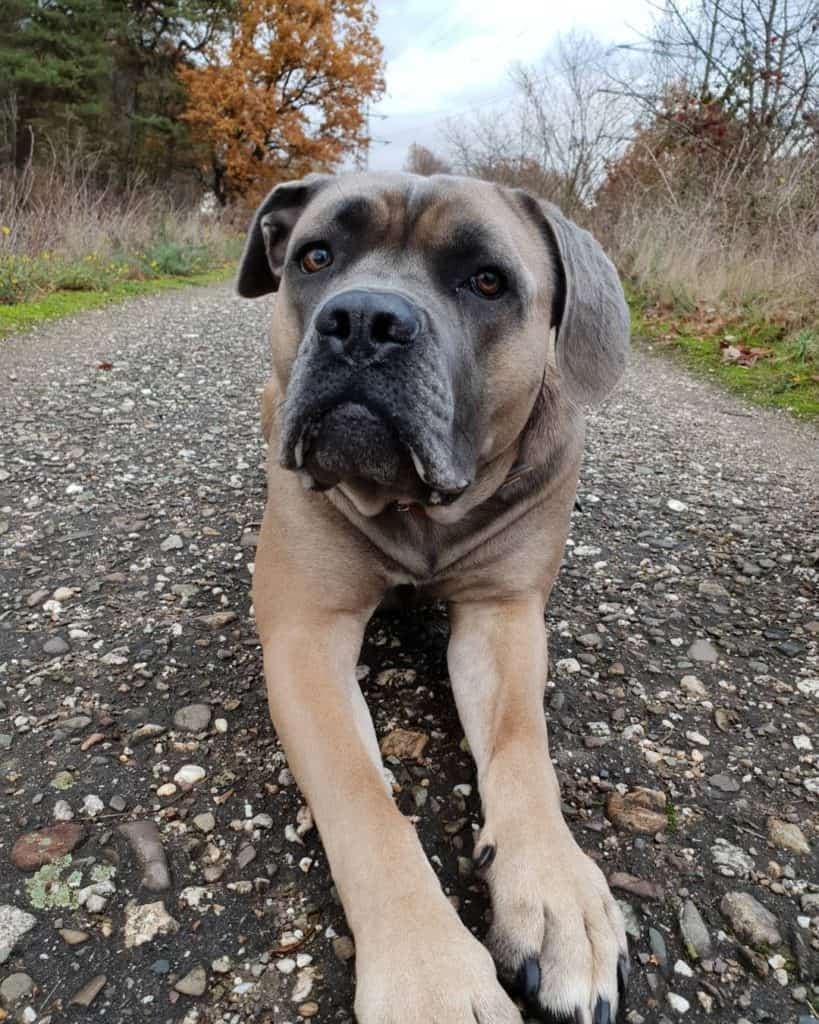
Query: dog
point(434, 343)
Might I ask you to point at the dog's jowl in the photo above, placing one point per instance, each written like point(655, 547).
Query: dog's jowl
point(434, 343)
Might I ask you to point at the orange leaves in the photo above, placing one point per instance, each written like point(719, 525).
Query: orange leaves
point(286, 92)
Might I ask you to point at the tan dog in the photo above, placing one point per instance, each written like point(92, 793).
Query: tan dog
point(433, 341)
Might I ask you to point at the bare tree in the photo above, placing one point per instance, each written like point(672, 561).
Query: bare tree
point(559, 133)
point(755, 62)
point(421, 160)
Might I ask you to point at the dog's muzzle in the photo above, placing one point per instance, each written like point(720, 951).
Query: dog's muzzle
point(370, 399)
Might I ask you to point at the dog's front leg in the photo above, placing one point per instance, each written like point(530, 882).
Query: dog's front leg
point(416, 962)
point(556, 931)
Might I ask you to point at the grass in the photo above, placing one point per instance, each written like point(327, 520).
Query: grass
point(53, 305)
point(765, 362)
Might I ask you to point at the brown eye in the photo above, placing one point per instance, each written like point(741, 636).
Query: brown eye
point(488, 283)
point(315, 259)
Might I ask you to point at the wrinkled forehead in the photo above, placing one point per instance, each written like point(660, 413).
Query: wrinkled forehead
point(455, 218)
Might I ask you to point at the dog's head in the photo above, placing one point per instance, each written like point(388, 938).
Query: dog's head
point(413, 324)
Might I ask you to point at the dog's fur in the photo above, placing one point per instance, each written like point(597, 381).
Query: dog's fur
point(446, 461)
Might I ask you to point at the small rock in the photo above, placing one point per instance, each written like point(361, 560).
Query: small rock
point(403, 743)
point(15, 988)
point(245, 856)
point(221, 965)
point(89, 992)
point(694, 687)
point(205, 822)
point(55, 646)
point(166, 789)
point(710, 588)
point(725, 783)
point(144, 922)
point(731, 861)
point(143, 838)
point(641, 810)
point(34, 849)
point(218, 620)
point(62, 780)
point(676, 505)
point(193, 718)
point(194, 983)
point(14, 924)
point(750, 921)
point(92, 805)
point(188, 775)
point(640, 887)
point(568, 666)
point(72, 937)
point(344, 948)
point(704, 651)
point(659, 951)
point(678, 1003)
point(694, 932)
point(787, 836)
point(173, 542)
point(117, 803)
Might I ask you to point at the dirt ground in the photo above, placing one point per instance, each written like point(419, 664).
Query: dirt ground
point(685, 660)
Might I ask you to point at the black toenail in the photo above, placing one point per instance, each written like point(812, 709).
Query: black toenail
point(527, 980)
point(602, 1012)
point(623, 971)
point(485, 857)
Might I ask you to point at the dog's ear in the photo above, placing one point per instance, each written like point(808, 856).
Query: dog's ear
point(589, 312)
point(260, 268)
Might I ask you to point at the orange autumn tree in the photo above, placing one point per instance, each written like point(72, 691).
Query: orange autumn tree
point(285, 92)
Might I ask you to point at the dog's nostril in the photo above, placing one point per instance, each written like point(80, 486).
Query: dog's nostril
point(383, 328)
point(335, 323)
point(392, 327)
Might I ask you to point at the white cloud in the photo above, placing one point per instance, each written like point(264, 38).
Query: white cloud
point(443, 63)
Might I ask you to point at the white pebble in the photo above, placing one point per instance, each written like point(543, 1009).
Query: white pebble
point(678, 1003)
point(189, 775)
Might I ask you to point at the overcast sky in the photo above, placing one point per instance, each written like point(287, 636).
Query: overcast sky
point(443, 61)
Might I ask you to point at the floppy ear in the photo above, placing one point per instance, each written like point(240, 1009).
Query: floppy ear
point(260, 269)
point(590, 311)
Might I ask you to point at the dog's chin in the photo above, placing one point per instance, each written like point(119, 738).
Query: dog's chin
point(362, 453)
point(354, 448)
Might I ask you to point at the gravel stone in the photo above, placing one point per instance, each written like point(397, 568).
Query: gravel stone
point(46, 845)
point(694, 932)
point(750, 921)
point(15, 988)
point(14, 924)
point(194, 983)
point(143, 923)
point(193, 718)
point(144, 840)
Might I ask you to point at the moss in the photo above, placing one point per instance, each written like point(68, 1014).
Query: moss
point(788, 378)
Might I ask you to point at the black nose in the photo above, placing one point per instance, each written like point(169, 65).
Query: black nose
point(362, 322)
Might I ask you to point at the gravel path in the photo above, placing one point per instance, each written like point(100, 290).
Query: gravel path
point(682, 706)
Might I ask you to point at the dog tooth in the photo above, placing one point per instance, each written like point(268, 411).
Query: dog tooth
point(298, 452)
point(419, 466)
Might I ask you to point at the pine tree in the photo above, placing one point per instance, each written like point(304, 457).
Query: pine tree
point(54, 63)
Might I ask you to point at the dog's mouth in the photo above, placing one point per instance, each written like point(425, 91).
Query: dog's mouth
point(358, 444)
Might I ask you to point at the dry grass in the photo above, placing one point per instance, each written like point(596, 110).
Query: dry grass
point(747, 248)
point(64, 227)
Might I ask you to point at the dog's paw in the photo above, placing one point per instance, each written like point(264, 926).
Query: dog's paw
point(557, 933)
point(435, 973)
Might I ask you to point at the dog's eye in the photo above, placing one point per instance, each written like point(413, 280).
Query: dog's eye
point(318, 257)
point(488, 283)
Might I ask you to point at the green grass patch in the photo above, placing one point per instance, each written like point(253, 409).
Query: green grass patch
point(56, 304)
point(771, 365)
